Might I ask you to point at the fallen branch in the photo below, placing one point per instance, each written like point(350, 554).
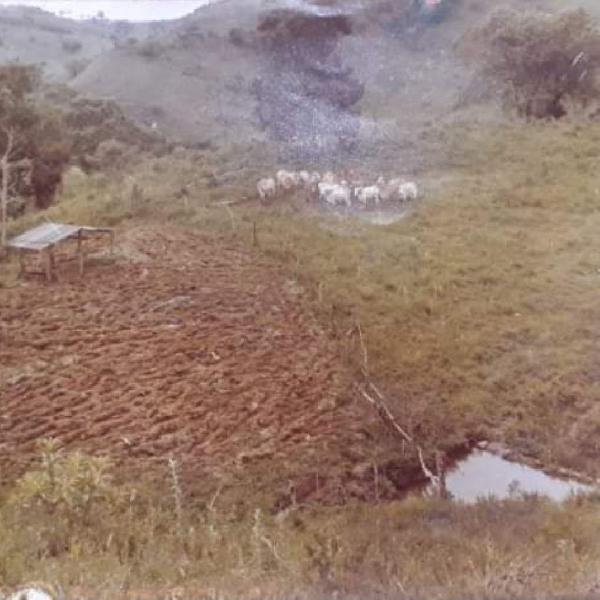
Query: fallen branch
point(364, 348)
point(435, 480)
point(374, 397)
point(384, 411)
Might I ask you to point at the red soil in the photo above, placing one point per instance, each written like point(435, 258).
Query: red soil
point(188, 347)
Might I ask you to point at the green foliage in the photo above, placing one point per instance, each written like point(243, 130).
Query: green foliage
point(112, 153)
point(37, 136)
point(92, 122)
point(56, 509)
point(150, 49)
point(72, 485)
point(77, 66)
point(17, 111)
point(50, 156)
point(540, 64)
point(135, 538)
point(71, 46)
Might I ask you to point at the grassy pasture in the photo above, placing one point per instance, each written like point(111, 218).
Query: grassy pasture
point(478, 312)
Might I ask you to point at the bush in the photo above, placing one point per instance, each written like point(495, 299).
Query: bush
point(150, 49)
point(71, 46)
point(112, 153)
point(541, 65)
point(70, 483)
point(76, 66)
point(52, 154)
point(236, 37)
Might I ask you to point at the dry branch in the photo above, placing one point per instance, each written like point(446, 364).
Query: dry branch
point(375, 398)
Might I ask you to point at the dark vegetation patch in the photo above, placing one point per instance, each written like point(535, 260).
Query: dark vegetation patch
point(542, 66)
point(94, 124)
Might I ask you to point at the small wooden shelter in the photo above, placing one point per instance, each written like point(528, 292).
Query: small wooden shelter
point(44, 238)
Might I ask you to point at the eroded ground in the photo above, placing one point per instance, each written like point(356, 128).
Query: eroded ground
point(182, 347)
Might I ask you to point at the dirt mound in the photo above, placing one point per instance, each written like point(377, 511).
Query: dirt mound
point(201, 351)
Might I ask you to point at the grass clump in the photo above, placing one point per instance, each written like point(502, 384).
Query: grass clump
point(68, 522)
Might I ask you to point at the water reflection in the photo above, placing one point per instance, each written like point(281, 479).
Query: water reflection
point(483, 474)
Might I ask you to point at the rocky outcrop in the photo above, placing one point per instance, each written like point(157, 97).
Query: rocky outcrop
point(305, 94)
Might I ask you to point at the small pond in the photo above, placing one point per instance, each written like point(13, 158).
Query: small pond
point(483, 474)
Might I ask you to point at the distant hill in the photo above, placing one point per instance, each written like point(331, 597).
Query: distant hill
point(218, 75)
point(321, 75)
point(63, 47)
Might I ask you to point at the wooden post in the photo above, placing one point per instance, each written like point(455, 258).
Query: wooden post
point(48, 264)
point(80, 255)
point(52, 263)
point(254, 234)
point(112, 243)
point(21, 263)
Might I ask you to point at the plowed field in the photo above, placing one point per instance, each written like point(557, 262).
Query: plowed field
point(186, 347)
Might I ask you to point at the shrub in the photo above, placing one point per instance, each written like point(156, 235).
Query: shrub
point(236, 37)
point(150, 49)
point(539, 64)
point(111, 153)
point(52, 154)
point(71, 46)
point(72, 483)
point(67, 503)
point(76, 66)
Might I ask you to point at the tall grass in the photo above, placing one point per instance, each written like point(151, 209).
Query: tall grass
point(415, 548)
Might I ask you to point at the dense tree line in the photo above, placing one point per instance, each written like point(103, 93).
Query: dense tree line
point(34, 145)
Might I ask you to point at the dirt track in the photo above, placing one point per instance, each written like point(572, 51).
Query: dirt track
point(183, 347)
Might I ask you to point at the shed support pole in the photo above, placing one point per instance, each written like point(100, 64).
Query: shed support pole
point(21, 263)
point(80, 255)
point(48, 264)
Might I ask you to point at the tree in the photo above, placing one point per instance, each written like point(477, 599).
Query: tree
point(17, 120)
point(32, 139)
point(49, 157)
point(540, 64)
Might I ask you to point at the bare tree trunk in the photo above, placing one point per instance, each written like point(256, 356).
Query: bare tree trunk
point(5, 172)
point(4, 196)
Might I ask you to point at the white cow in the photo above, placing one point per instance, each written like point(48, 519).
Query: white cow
point(408, 190)
point(311, 186)
point(304, 178)
point(286, 180)
point(368, 194)
point(329, 177)
point(389, 190)
point(335, 193)
point(266, 188)
point(35, 592)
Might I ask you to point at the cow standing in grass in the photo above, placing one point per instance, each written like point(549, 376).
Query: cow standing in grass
point(266, 188)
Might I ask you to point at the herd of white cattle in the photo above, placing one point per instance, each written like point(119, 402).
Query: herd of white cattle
point(337, 191)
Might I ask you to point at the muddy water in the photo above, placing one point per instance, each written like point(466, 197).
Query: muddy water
point(483, 474)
